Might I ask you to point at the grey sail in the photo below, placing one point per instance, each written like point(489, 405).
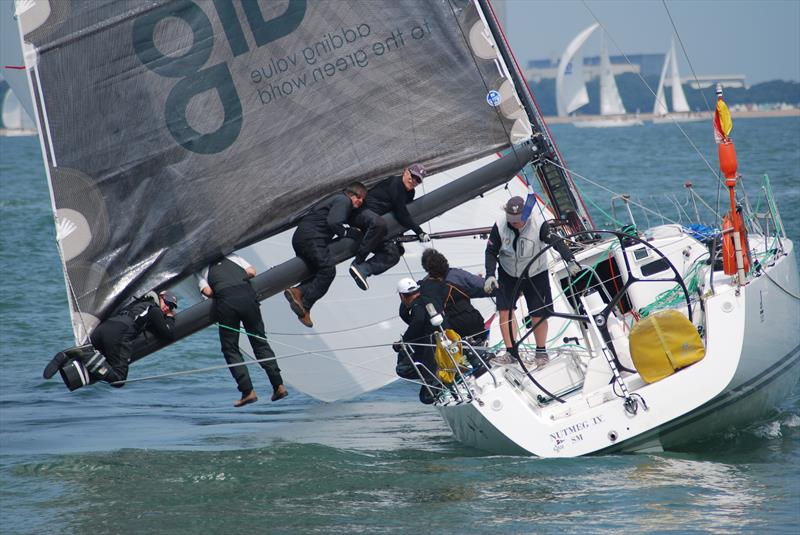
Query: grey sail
point(176, 131)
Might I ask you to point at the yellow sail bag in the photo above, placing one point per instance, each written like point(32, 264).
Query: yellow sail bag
point(663, 343)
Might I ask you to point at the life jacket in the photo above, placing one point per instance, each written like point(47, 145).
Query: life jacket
point(226, 275)
point(514, 259)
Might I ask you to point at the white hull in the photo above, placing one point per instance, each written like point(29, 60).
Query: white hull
point(613, 122)
point(741, 377)
point(681, 118)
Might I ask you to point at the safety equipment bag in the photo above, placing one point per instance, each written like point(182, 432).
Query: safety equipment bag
point(664, 343)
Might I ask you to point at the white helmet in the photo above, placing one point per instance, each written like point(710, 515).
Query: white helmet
point(407, 286)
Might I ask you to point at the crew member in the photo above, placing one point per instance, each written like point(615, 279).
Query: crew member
point(513, 242)
point(417, 339)
point(457, 286)
point(326, 221)
point(389, 196)
point(108, 358)
point(235, 304)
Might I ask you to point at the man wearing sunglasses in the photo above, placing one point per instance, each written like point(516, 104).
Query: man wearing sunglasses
point(108, 357)
point(392, 195)
point(236, 305)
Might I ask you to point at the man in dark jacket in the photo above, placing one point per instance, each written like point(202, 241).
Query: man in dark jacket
point(326, 221)
point(457, 287)
point(417, 338)
point(235, 304)
point(389, 196)
point(108, 357)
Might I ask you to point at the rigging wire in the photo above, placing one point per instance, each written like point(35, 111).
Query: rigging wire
point(609, 190)
point(644, 82)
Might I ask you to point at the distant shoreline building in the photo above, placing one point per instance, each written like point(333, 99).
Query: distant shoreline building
point(537, 70)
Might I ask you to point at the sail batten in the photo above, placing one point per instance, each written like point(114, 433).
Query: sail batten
point(189, 129)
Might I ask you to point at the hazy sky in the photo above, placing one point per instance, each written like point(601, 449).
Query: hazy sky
point(757, 38)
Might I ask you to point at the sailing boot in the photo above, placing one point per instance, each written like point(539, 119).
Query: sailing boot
point(55, 364)
point(360, 272)
point(541, 357)
point(280, 392)
point(246, 399)
point(509, 357)
point(295, 298)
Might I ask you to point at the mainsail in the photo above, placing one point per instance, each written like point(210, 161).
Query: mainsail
point(197, 128)
point(610, 101)
point(679, 103)
point(571, 91)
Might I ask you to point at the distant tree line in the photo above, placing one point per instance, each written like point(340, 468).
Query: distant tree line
point(637, 97)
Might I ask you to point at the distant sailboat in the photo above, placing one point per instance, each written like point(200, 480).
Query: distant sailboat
point(571, 91)
point(612, 110)
point(680, 107)
point(15, 120)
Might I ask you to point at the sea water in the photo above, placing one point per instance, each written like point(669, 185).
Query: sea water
point(174, 456)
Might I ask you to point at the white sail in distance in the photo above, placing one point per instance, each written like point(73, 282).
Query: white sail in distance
point(14, 116)
point(679, 103)
point(570, 86)
point(610, 101)
point(660, 106)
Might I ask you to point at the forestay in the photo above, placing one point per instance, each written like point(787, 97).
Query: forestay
point(176, 131)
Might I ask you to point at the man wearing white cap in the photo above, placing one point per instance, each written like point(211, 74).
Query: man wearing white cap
point(417, 338)
point(513, 242)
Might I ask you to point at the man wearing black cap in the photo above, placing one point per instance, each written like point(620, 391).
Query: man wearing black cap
point(513, 242)
point(235, 304)
point(389, 196)
point(113, 338)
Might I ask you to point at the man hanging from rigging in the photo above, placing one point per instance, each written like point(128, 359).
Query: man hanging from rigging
point(235, 304)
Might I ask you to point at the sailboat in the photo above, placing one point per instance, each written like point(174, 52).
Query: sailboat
point(680, 107)
point(15, 121)
point(571, 91)
point(213, 129)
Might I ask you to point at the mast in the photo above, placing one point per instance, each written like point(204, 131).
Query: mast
point(557, 184)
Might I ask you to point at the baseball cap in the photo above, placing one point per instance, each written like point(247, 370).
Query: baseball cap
point(407, 286)
point(170, 299)
point(417, 171)
point(514, 208)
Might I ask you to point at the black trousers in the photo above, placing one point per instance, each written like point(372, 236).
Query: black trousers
point(386, 253)
point(113, 338)
point(314, 252)
point(235, 307)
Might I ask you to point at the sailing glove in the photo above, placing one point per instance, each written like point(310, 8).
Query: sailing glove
point(490, 285)
point(574, 268)
point(424, 237)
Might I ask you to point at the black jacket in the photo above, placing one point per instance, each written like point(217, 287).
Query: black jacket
point(328, 218)
point(391, 196)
